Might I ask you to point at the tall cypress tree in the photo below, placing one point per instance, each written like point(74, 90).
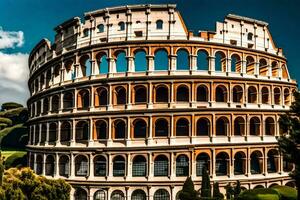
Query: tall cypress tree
point(188, 191)
point(205, 187)
point(216, 192)
point(289, 141)
point(237, 189)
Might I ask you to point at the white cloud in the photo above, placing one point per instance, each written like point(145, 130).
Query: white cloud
point(10, 39)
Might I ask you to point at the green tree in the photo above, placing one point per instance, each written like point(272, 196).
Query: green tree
point(289, 141)
point(188, 191)
point(205, 185)
point(229, 191)
point(10, 105)
point(216, 192)
point(237, 189)
point(2, 167)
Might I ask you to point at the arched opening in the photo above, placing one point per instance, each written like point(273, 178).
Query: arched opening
point(120, 129)
point(45, 105)
point(220, 61)
point(291, 184)
point(42, 81)
point(277, 96)
point(275, 69)
point(43, 133)
point(239, 163)
point(82, 131)
point(159, 24)
point(239, 126)
point(69, 73)
point(273, 161)
point(39, 164)
point(202, 93)
point(121, 26)
point(265, 95)
point(258, 186)
point(140, 61)
point(80, 194)
point(100, 166)
point(263, 67)
point(222, 163)
point(117, 195)
point(183, 61)
point(222, 126)
point(250, 65)
point(202, 161)
point(256, 162)
point(161, 128)
point(161, 194)
point(37, 134)
point(182, 127)
point(65, 131)
point(102, 62)
point(221, 94)
point(100, 28)
point(49, 166)
point(55, 103)
point(119, 166)
point(236, 65)
point(140, 128)
point(120, 95)
point(255, 126)
point(64, 166)
point(100, 195)
point(101, 129)
point(202, 60)
point(237, 94)
point(182, 165)
point(38, 108)
point(162, 94)
point(81, 165)
point(139, 166)
point(252, 94)
point(203, 127)
point(68, 100)
point(83, 99)
point(284, 72)
point(140, 94)
point(101, 97)
point(85, 66)
point(250, 36)
point(138, 195)
point(52, 132)
point(182, 94)
point(121, 62)
point(56, 74)
point(270, 126)
point(161, 61)
point(161, 166)
point(287, 96)
point(48, 78)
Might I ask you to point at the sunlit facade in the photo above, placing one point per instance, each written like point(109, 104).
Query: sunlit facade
point(128, 103)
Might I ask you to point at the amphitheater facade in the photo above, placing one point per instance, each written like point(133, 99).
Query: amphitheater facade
point(128, 103)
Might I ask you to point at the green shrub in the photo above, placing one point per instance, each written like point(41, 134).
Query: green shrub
point(5, 121)
point(18, 159)
point(286, 192)
point(259, 194)
point(10, 137)
point(10, 105)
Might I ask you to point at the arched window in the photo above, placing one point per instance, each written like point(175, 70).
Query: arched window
point(32, 109)
point(64, 166)
point(121, 26)
point(161, 128)
point(55, 103)
point(287, 97)
point(83, 99)
point(284, 72)
point(52, 132)
point(252, 94)
point(220, 61)
point(202, 60)
point(139, 166)
point(119, 166)
point(159, 24)
point(182, 94)
point(162, 94)
point(100, 166)
point(85, 66)
point(37, 134)
point(222, 164)
point(161, 61)
point(221, 94)
point(254, 126)
point(138, 195)
point(101, 97)
point(182, 127)
point(140, 61)
point(256, 162)
point(239, 163)
point(38, 108)
point(250, 36)
point(120, 131)
point(121, 95)
point(80, 194)
point(82, 131)
point(183, 62)
point(265, 95)
point(86, 32)
point(263, 67)
point(140, 129)
point(45, 105)
point(239, 126)
point(182, 165)
point(237, 94)
point(68, 100)
point(202, 161)
point(270, 126)
point(161, 194)
point(236, 65)
point(277, 96)
point(161, 166)
point(275, 69)
point(117, 195)
point(56, 74)
point(101, 129)
point(203, 127)
point(202, 94)
point(39, 164)
point(43, 133)
point(103, 64)
point(272, 161)
point(140, 94)
point(121, 63)
point(69, 73)
point(99, 195)
point(100, 28)
point(250, 65)
point(65, 131)
point(81, 166)
point(222, 126)
point(49, 167)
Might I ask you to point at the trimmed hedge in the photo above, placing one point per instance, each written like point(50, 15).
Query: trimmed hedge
point(18, 159)
point(5, 121)
point(10, 105)
point(10, 137)
point(259, 194)
point(286, 192)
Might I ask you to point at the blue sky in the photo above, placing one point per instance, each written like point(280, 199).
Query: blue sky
point(28, 21)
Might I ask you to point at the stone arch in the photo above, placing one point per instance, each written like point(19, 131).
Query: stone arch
point(263, 67)
point(161, 194)
point(80, 194)
point(202, 93)
point(161, 60)
point(121, 61)
point(237, 94)
point(139, 166)
point(161, 94)
point(161, 127)
point(68, 100)
point(250, 65)
point(284, 71)
point(222, 164)
point(161, 165)
point(221, 93)
point(222, 126)
point(239, 163)
point(85, 66)
point(100, 165)
point(236, 64)
point(265, 95)
point(287, 97)
point(64, 166)
point(55, 103)
point(220, 61)
point(120, 95)
point(273, 161)
point(202, 60)
point(182, 165)
point(239, 126)
point(255, 126)
point(277, 96)
point(102, 62)
point(52, 132)
point(119, 129)
point(138, 195)
point(256, 162)
point(82, 131)
point(252, 94)
point(101, 97)
point(182, 61)
point(140, 128)
point(202, 161)
point(83, 99)
point(65, 131)
point(140, 94)
point(182, 93)
point(182, 127)
point(269, 126)
point(140, 60)
point(39, 164)
point(203, 127)
point(101, 129)
point(49, 165)
point(119, 166)
point(275, 69)
point(81, 165)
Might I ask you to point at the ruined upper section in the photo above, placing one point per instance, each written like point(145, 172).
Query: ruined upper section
point(148, 22)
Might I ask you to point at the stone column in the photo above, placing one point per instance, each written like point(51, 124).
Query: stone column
point(91, 167)
point(72, 167)
point(72, 142)
point(110, 98)
point(150, 95)
point(110, 166)
point(172, 173)
point(173, 60)
point(111, 66)
point(150, 166)
point(56, 170)
point(58, 134)
point(129, 166)
point(193, 62)
point(150, 59)
point(149, 139)
point(44, 165)
point(91, 139)
point(211, 64)
point(228, 65)
point(109, 140)
point(131, 67)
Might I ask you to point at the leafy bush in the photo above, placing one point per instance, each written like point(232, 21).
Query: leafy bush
point(5, 121)
point(17, 159)
point(287, 193)
point(10, 137)
point(259, 194)
point(10, 105)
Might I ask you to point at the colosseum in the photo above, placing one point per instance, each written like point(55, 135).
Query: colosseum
point(128, 102)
